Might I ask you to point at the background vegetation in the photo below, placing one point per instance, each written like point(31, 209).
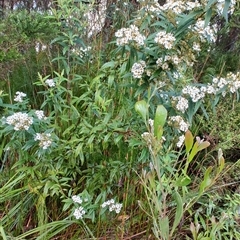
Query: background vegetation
point(122, 127)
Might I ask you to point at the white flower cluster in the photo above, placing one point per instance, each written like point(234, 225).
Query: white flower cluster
point(231, 82)
point(112, 206)
point(44, 138)
point(40, 47)
point(40, 115)
point(220, 6)
point(76, 199)
point(138, 69)
point(81, 51)
point(195, 93)
point(19, 96)
point(196, 47)
point(79, 212)
point(180, 103)
point(164, 62)
point(152, 7)
point(126, 35)
point(181, 140)
point(179, 123)
point(178, 7)
point(165, 39)
point(50, 83)
point(221, 84)
point(206, 32)
point(20, 121)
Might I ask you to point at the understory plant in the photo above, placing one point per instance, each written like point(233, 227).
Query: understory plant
point(172, 193)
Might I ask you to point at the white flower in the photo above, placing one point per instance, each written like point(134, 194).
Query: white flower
point(40, 114)
point(126, 35)
point(182, 103)
point(79, 212)
point(180, 141)
point(196, 47)
point(178, 122)
point(220, 6)
point(112, 206)
point(195, 93)
point(165, 66)
point(20, 121)
point(76, 199)
point(19, 96)
point(151, 123)
point(147, 137)
point(138, 69)
point(44, 138)
point(50, 82)
point(165, 39)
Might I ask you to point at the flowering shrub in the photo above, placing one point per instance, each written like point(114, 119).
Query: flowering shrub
point(174, 35)
point(27, 122)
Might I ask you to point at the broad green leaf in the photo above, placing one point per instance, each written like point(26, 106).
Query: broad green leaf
point(141, 108)
point(188, 141)
point(164, 227)
point(159, 121)
point(179, 211)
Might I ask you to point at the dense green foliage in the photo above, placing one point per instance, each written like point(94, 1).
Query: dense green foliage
point(123, 132)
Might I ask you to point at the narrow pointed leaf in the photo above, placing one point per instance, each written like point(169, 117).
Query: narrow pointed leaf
point(188, 141)
point(225, 9)
point(206, 181)
point(179, 211)
point(203, 145)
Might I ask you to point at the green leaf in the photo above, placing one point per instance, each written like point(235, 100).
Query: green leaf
point(185, 22)
point(141, 108)
point(208, 17)
point(225, 9)
point(203, 145)
point(210, 3)
point(110, 80)
point(188, 141)
point(108, 65)
point(4, 236)
point(183, 181)
point(179, 211)
point(221, 160)
point(193, 152)
point(164, 227)
point(159, 121)
point(206, 181)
